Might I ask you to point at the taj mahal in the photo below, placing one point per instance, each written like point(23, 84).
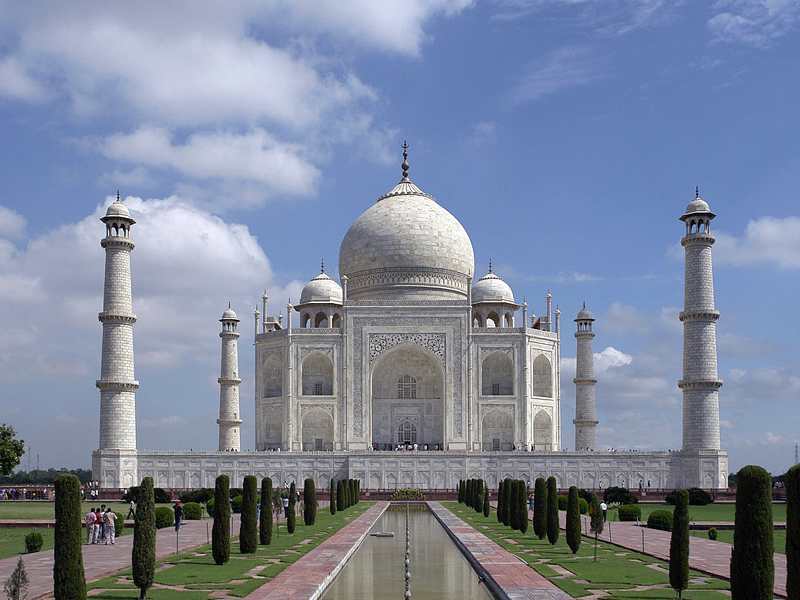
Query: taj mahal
point(409, 348)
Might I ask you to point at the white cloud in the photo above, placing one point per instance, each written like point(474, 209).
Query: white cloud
point(16, 83)
point(753, 22)
point(560, 70)
point(767, 240)
point(255, 157)
point(12, 224)
point(733, 344)
point(767, 384)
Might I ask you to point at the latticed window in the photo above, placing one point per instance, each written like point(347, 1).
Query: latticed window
point(318, 389)
point(407, 433)
point(318, 444)
point(495, 389)
point(496, 444)
point(406, 387)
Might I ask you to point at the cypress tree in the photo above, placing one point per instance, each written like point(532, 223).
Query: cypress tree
point(679, 544)
point(522, 501)
point(247, 526)
point(540, 508)
point(143, 557)
point(552, 510)
point(597, 523)
point(507, 516)
point(291, 522)
point(793, 533)
point(486, 501)
point(333, 497)
point(461, 491)
point(512, 504)
point(221, 529)
point(309, 502)
point(352, 492)
point(478, 503)
point(573, 520)
point(501, 490)
point(69, 582)
point(340, 495)
point(265, 525)
point(468, 493)
point(752, 563)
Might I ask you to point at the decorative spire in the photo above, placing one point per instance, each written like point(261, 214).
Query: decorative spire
point(490, 265)
point(697, 191)
point(584, 304)
point(405, 164)
point(117, 195)
point(323, 266)
point(229, 303)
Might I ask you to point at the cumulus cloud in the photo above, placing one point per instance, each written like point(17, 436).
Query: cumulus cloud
point(767, 240)
point(560, 70)
point(753, 22)
point(12, 224)
point(767, 384)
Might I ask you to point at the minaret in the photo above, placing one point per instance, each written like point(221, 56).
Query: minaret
point(585, 406)
point(700, 383)
point(117, 384)
point(229, 421)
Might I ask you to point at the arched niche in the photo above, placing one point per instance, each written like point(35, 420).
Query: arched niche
point(317, 375)
point(542, 377)
point(543, 431)
point(273, 377)
point(317, 430)
point(497, 375)
point(497, 430)
point(395, 374)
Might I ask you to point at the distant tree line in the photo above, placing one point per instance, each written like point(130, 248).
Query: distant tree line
point(42, 477)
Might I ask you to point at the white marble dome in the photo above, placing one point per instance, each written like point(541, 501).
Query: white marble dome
point(118, 209)
point(584, 315)
point(229, 315)
point(406, 245)
point(698, 205)
point(490, 288)
point(321, 290)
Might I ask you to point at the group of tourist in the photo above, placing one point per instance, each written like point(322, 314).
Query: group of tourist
point(100, 526)
point(22, 494)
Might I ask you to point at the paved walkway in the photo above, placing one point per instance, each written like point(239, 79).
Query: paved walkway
point(705, 555)
point(100, 560)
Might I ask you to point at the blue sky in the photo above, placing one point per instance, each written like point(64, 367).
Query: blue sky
point(566, 136)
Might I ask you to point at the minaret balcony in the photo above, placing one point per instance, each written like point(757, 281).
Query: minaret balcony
point(118, 386)
point(700, 384)
point(224, 381)
point(708, 315)
point(107, 317)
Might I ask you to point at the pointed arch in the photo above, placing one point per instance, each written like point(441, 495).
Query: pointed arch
point(542, 377)
point(543, 431)
point(497, 375)
point(497, 430)
point(317, 375)
point(273, 377)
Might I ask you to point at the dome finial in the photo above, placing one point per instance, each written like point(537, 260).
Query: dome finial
point(117, 195)
point(697, 191)
point(405, 164)
point(490, 265)
point(229, 303)
point(323, 266)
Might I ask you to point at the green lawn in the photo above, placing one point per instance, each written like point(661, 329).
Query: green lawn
point(194, 576)
point(779, 538)
point(710, 512)
point(622, 574)
point(44, 509)
point(12, 541)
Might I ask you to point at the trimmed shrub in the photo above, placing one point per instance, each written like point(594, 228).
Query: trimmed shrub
point(210, 507)
point(192, 511)
point(33, 542)
point(119, 524)
point(679, 544)
point(235, 492)
point(660, 519)
point(248, 541)
point(540, 508)
point(461, 491)
point(793, 532)
point(309, 502)
point(619, 495)
point(165, 517)
point(468, 493)
point(236, 504)
point(199, 496)
point(161, 496)
point(552, 510)
point(596, 515)
point(583, 504)
point(522, 503)
point(69, 582)
point(511, 503)
point(486, 502)
point(265, 524)
point(562, 502)
point(573, 520)
point(501, 504)
point(143, 556)
point(333, 497)
point(407, 494)
point(752, 563)
point(351, 492)
point(585, 495)
point(291, 522)
point(477, 504)
point(712, 534)
point(221, 530)
point(630, 512)
point(698, 497)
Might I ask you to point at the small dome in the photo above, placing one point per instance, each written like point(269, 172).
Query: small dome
point(229, 315)
point(490, 288)
point(584, 315)
point(321, 290)
point(697, 205)
point(118, 209)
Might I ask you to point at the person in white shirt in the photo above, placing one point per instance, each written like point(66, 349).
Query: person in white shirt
point(111, 528)
point(89, 519)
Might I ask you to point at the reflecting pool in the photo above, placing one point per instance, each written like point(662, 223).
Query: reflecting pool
point(438, 569)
